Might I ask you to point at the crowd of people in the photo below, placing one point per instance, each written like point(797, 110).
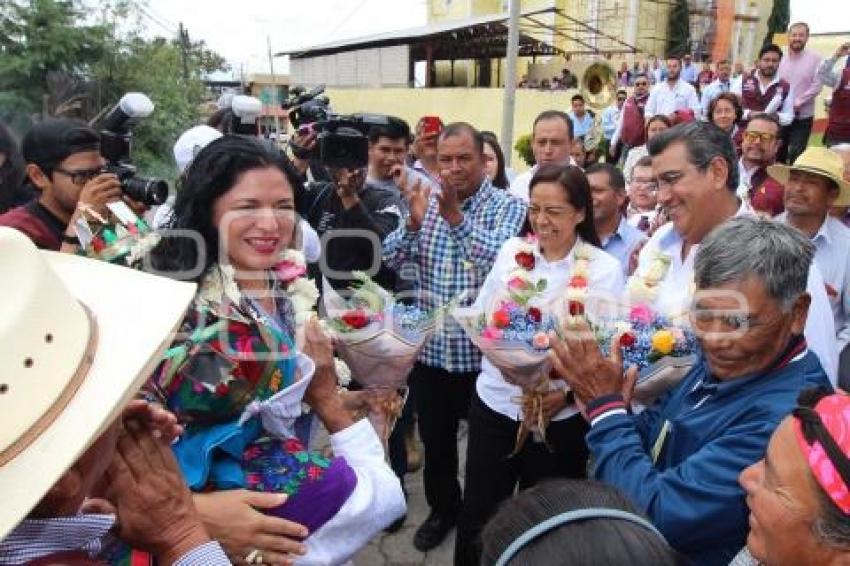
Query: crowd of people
point(146, 410)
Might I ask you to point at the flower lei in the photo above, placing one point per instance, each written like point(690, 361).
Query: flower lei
point(643, 285)
point(576, 296)
point(302, 292)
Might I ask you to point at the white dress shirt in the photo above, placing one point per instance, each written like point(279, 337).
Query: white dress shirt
point(832, 243)
point(520, 185)
point(606, 279)
point(666, 100)
point(610, 120)
point(712, 91)
point(676, 292)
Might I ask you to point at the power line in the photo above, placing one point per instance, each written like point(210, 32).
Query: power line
point(347, 17)
point(164, 26)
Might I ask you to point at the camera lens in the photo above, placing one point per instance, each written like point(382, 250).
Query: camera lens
point(149, 191)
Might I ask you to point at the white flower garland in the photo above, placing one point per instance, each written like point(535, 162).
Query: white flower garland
point(644, 285)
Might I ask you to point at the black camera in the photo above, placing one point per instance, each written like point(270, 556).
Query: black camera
point(116, 140)
point(341, 140)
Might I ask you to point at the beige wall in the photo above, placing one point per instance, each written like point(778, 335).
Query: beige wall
point(482, 107)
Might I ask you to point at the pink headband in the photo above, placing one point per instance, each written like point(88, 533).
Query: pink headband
point(834, 413)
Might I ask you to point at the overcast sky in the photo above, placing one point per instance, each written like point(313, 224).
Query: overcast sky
point(238, 29)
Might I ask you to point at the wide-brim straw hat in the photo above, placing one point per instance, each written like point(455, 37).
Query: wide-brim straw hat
point(78, 337)
point(817, 161)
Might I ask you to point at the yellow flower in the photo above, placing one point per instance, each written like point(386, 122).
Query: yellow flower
point(663, 342)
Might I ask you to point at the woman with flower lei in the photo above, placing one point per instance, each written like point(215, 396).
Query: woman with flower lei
point(562, 261)
point(235, 379)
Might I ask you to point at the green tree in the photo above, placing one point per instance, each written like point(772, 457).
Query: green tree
point(42, 40)
point(679, 29)
point(155, 68)
point(779, 19)
point(55, 60)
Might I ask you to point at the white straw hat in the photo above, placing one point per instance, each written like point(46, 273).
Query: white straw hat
point(78, 337)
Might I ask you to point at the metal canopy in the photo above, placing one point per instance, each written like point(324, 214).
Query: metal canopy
point(485, 37)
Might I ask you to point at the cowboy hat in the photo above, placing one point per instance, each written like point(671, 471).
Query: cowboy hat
point(817, 161)
point(78, 337)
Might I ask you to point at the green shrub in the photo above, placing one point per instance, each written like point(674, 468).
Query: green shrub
point(523, 147)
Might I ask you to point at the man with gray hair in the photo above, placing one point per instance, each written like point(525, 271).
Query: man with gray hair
point(679, 460)
point(697, 175)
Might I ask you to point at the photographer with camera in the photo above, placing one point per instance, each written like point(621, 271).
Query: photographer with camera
point(348, 202)
point(64, 164)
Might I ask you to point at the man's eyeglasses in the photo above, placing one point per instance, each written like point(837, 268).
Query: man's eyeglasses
point(641, 84)
point(764, 137)
point(81, 176)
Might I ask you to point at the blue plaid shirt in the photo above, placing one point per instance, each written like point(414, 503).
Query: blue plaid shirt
point(451, 261)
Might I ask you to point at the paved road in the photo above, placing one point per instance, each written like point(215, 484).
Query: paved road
point(397, 549)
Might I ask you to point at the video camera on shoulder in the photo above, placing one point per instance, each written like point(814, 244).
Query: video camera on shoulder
point(342, 139)
point(116, 140)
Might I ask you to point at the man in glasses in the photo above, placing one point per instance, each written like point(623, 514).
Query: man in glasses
point(65, 167)
point(631, 131)
point(697, 175)
point(759, 147)
point(679, 460)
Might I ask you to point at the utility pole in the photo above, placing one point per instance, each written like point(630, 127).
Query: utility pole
point(184, 51)
point(509, 101)
point(275, 104)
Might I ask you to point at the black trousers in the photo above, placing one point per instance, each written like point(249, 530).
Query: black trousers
point(396, 445)
point(442, 400)
point(492, 477)
point(796, 139)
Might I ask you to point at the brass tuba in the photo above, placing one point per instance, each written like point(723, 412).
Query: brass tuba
point(599, 88)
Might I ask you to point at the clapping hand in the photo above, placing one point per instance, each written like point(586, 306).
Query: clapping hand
point(449, 202)
point(578, 361)
point(417, 193)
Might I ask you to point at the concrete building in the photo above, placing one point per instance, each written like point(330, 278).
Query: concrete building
point(589, 28)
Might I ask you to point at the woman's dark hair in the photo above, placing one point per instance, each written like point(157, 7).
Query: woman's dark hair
point(657, 118)
point(13, 169)
point(213, 172)
point(585, 542)
point(575, 184)
point(732, 99)
point(501, 180)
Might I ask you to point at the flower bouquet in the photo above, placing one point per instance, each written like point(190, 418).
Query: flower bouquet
point(512, 332)
point(119, 237)
point(662, 351)
point(379, 339)
point(513, 337)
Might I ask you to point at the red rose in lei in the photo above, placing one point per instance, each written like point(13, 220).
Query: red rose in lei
point(576, 308)
point(627, 340)
point(501, 319)
point(525, 260)
point(534, 314)
point(356, 319)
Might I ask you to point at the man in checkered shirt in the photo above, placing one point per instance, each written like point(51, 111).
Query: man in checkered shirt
point(452, 239)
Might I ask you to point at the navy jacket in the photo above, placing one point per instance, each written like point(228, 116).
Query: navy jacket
point(716, 429)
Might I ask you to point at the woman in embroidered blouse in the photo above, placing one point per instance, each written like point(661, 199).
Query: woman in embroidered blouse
point(235, 379)
point(560, 213)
